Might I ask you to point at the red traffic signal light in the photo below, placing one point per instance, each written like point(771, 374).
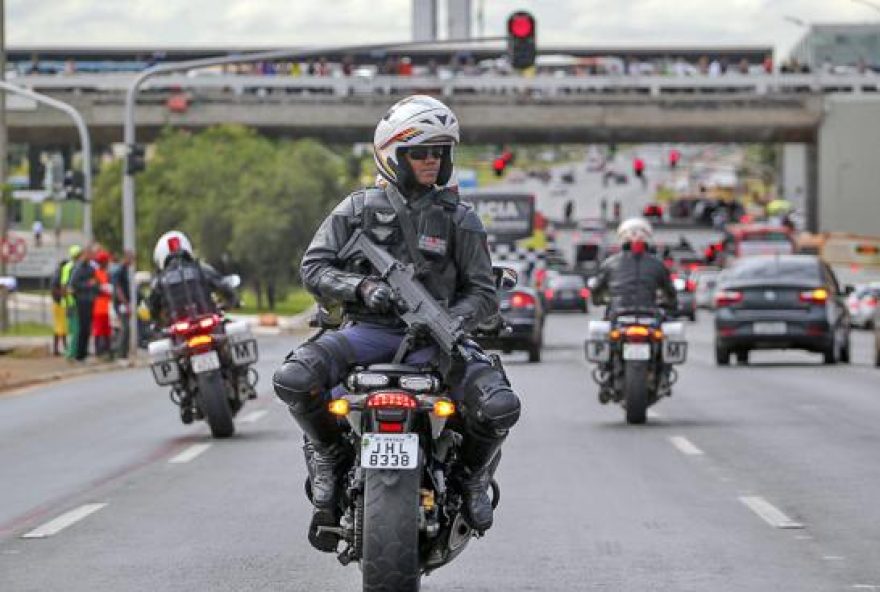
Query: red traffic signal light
point(498, 165)
point(521, 24)
point(521, 45)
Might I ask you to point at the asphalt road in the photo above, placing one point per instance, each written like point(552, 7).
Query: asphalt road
point(589, 503)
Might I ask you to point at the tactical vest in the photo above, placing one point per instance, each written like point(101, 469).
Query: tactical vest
point(185, 290)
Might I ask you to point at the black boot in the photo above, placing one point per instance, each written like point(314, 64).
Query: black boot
point(325, 454)
point(477, 455)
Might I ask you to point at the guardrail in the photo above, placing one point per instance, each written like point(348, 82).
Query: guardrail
point(483, 85)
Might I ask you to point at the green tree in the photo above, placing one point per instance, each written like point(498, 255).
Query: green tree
point(249, 204)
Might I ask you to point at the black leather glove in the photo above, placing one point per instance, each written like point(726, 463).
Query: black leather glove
point(376, 295)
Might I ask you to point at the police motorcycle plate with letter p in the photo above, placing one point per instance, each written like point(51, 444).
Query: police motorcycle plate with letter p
point(390, 451)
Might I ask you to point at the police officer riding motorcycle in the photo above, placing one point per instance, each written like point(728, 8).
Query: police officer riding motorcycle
point(633, 347)
point(205, 358)
point(418, 221)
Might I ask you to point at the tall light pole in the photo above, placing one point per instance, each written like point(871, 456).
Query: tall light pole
point(84, 139)
point(4, 310)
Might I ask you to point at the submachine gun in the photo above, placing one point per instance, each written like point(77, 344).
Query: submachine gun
point(415, 305)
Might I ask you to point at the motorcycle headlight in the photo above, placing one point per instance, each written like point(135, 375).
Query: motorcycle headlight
point(418, 384)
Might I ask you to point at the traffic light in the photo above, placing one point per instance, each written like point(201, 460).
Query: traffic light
point(498, 165)
point(136, 160)
point(74, 185)
point(521, 45)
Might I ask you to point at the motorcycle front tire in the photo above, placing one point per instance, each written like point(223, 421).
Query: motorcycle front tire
point(215, 404)
point(635, 390)
point(390, 558)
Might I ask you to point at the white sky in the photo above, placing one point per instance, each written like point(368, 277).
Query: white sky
point(325, 22)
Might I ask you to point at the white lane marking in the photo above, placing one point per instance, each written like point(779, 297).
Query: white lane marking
point(865, 587)
point(254, 416)
point(189, 454)
point(58, 524)
point(833, 558)
point(768, 512)
point(685, 446)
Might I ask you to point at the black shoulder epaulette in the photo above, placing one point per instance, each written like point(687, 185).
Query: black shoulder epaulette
point(448, 199)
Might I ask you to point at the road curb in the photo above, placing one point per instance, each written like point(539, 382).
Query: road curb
point(58, 376)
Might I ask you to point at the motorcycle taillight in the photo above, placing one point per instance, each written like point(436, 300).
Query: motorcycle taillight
point(391, 400)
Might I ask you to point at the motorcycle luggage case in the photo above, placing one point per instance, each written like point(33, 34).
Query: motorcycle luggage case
point(162, 362)
point(597, 347)
point(674, 343)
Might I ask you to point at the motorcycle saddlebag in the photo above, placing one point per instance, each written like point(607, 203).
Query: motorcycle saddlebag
point(162, 362)
point(674, 343)
point(597, 347)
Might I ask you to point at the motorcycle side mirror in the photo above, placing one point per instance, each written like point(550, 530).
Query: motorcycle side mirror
point(232, 281)
point(505, 277)
point(847, 290)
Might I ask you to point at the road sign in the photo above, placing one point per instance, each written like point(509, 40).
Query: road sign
point(13, 250)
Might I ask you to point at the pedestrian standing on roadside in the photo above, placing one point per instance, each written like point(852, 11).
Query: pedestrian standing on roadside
point(121, 302)
point(85, 289)
point(75, 256)
point(37, 229)
point(101, 329)
point(59, 314)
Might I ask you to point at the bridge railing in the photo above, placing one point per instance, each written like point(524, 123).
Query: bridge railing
point(547, 87)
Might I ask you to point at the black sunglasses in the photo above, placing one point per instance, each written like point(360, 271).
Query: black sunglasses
point(423, 152)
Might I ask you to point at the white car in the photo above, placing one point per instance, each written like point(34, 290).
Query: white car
point(862, 304)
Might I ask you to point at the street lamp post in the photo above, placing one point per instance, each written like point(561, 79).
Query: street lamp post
point(84, 139)
point(128, 185)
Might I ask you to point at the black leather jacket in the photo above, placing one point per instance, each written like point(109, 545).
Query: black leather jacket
point(634, 281)
point(450, 238)
point(196, 296)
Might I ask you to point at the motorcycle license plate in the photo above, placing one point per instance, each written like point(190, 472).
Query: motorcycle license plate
point(636, 351)
point(390, 451)
point(205, 362)
point(769, 328)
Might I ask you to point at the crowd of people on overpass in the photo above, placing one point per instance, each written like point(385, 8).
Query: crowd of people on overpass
point(466, 64)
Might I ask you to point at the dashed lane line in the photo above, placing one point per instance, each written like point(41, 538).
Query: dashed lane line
point(189, 454)
point(685, 446)
point(61, 522)
point(768, 512)
point(254, 416)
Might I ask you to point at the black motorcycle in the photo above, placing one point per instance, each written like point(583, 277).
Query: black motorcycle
point(634, 352)
point(207, 361)
point(399, 514)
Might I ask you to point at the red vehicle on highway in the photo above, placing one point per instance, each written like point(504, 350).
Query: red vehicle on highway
point(746, 240)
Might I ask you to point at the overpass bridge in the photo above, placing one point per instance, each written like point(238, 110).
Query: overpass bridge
point(734, 108)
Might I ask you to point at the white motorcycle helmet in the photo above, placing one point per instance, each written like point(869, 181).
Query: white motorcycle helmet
point(171, 242)
point(635, 229)
point(414, 121)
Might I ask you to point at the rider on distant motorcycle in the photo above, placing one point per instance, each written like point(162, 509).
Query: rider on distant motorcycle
point(634, 276)
point(418, 220)
point(633, 279)
point(183, 286)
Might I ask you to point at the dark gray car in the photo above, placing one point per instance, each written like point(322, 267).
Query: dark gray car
point(780, 302)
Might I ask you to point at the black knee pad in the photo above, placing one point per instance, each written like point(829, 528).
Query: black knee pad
point(490, 402)
point(310, 369)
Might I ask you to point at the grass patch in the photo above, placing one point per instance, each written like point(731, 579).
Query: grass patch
point(28, 329)
point(296, 301)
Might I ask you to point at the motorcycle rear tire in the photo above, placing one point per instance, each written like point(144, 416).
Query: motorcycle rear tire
point(390, 559)
point(635, 389)
point(215, 404)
